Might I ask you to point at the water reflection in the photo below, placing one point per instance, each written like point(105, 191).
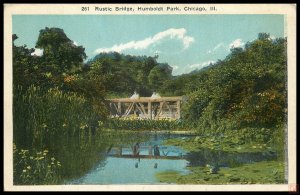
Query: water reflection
point(135, 158)
point(123, 171)
point(136, 161)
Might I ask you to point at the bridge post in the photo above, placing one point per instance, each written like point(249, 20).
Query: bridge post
point(119, 109)
point(110, 109)
point(149, 110)
point(178, 109)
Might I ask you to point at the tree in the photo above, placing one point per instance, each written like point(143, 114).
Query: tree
point(263, 36)
point(124, 74)
point(60, 53)
point(246, 89)
point(158, 75)
point(24, 65)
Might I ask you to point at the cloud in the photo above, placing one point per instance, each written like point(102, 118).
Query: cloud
point(175, 67)
point(194, 66)
point(236, 43)
point(37, 52)
point(75, 43)
point(201, 65)
point(220, 45)
point(171, 33)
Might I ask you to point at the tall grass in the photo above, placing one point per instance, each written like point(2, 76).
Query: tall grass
point(63, 123)
point(40, 116)
point(147, 124)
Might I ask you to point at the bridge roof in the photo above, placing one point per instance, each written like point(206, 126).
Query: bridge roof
point(147, 99)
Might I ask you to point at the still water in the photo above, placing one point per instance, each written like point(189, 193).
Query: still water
point(136, 158)
point(138, 169)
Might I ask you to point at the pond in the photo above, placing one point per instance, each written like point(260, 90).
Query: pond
point(126, 168)
point(136, 158)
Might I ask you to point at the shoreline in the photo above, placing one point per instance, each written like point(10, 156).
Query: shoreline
point(175, 132)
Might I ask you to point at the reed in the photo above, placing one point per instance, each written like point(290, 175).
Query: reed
point(62, 123)
point(40, 116)
point(134, 123)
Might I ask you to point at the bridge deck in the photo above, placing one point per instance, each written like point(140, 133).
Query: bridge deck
point(147, 99)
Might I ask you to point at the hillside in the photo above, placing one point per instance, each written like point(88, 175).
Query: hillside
point(247, 88)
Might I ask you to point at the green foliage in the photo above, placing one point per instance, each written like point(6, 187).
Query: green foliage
point(124, 74)
point(24, 65)
point(179, 85)
point(265, 172)
point(57, 108)
point(35, 168)
point(60, 57)
point(40, 117)
point(158, 75)
point(278, 140)
point(60, 53)
point(247, 89)
point(92, 87)
point(242, 140)
point(63, 122)
point(147, 124)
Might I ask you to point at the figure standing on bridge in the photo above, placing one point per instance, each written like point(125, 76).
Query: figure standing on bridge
point(155, 95)
point(156, 151)
point(135, 95)
point(136, 149)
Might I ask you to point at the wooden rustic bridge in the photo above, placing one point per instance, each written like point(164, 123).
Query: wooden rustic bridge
point(146, 107)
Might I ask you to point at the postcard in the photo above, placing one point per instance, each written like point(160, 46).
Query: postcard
point(150, 97)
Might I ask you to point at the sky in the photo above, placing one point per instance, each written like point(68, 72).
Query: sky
point(185, 42)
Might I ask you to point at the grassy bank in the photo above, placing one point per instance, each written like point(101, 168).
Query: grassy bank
point(174, 132)
point(137, 124)
point(242, 142)
point(265, 172)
